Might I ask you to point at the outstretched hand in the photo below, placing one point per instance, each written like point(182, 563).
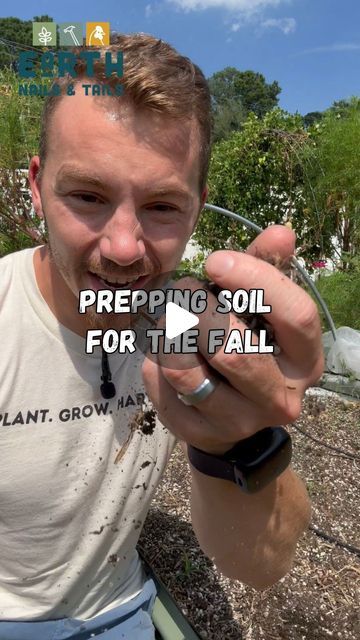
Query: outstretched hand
point(254, 390)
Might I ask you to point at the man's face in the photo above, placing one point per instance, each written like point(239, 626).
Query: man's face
point(119, 192)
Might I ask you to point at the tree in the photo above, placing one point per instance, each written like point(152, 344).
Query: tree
point(229, 117)
point(256, 172)
point(13, 32)
point(312, 118)
point(274, 170)
point(263, 173)
point(235, 94)
point(342, 107)
point(333, 172)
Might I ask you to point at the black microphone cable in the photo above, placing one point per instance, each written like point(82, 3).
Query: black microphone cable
point(107, 387)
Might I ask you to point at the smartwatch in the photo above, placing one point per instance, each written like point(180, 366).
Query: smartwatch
point(252, 463)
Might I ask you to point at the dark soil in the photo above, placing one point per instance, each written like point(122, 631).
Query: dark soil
point(145, 421)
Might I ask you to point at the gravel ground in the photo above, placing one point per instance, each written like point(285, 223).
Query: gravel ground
point(319, 598)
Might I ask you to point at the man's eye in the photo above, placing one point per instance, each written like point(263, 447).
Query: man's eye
point(88, 198)
point(162, 207)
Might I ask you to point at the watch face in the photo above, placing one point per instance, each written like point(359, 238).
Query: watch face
point(255, 448)
point(252, 475)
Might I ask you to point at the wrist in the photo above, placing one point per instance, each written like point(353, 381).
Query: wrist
point(252, 463)
point(214, 448)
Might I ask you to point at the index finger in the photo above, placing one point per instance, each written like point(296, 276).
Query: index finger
point(276, 244)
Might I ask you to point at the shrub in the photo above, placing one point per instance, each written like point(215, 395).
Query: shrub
point(341, 294)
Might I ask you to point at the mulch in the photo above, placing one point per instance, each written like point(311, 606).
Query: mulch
point(319, 598)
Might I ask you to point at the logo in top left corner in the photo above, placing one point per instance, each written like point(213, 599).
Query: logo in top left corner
point(44, 34)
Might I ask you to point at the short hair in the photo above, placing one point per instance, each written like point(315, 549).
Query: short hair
point(156, 79)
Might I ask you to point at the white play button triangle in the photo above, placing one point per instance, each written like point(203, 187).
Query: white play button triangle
point(178, 320)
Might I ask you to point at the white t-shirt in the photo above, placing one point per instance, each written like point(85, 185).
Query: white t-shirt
point(70, 517)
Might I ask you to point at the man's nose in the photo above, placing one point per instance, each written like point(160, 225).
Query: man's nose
point(122, 238)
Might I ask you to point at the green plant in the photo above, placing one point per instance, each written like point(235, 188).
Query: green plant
point(19, 132)
point(194, 267)
point(333, 187)
point(341, 294)
point(258, 172)
point(188, 568)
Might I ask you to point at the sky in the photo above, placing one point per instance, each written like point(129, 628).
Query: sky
point(311, 47)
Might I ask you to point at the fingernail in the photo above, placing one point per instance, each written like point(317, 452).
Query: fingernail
point(219, 263)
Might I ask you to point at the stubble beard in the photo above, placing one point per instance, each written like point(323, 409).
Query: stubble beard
point(92, 319)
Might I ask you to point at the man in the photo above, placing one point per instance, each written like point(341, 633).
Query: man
point(120, 183)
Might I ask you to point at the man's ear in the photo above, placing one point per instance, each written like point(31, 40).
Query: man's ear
point(203, 198)
point(34, 171)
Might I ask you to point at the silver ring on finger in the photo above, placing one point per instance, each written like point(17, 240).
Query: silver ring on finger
point(203, 391)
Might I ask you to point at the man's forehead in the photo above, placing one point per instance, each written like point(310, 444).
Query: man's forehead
point(85, 122)
point(78, 108)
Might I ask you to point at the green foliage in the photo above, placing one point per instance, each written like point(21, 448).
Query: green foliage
point(193, 267)
point(235, 94)
point(258, 173)
point(188, 567)
point(14, 31)
point(312, 118)
point(19, 123)
point(227, 118)
point(342, 107)
point(341, 294)
point(333, 170)
point(274, 170)
point(250, 89)
point(19, 132)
